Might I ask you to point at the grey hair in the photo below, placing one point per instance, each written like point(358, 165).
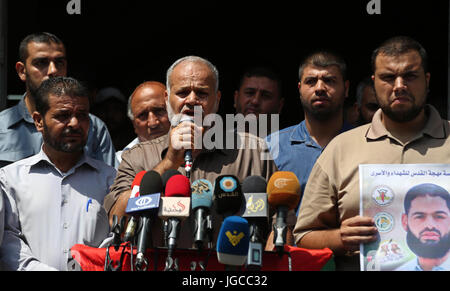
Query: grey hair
point(192, 59)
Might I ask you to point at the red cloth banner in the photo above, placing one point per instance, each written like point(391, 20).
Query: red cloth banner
point(93, 259)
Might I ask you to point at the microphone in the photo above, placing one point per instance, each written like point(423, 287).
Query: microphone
point(146, 206)
point(165, 177)
point(188, 160)
point(175, 207)
point(134, 220)
point(283, 192)
point(201, 206)
point(233, 243)
point(228, 197)
point(135, 186)
point(257, 214)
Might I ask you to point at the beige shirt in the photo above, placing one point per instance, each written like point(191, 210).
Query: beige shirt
point(210, 164)
point(332, 192)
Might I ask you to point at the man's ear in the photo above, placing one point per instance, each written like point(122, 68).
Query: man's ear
point(405, 221)
point(347, 88)
point(21, 71)
point(38, 121)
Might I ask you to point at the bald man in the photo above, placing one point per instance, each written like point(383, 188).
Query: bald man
point(147, 111)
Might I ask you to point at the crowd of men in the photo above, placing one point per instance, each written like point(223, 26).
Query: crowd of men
point(62, 181)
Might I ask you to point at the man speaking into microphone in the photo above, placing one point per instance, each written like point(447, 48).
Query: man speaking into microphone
point(191, 82)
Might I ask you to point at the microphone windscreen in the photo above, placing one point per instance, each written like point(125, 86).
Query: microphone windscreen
point(138, 179)
point(178, 186)
point(167, 175)
point(283, 189)
point(228, 197)
point(135, 186)
point(233, 241)
point(254, 184)
point(151, 183)
point(201, 194)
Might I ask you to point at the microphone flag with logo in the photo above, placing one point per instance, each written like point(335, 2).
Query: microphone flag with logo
point(233, 241)
point(175, 207)
point(146, 206)
point(257, 213)
point(283, 192)
point(228, 197)
point(201, 206)
point(134, 220)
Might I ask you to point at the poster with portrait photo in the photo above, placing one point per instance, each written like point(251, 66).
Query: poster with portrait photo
point(410, 205)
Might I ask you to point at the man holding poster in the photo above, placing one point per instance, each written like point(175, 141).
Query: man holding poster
point(404, 131)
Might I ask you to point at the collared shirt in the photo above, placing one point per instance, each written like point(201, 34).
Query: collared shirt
point(413, 265)
point(294, 150)
point(210, 164)
point(332, 191)
point(119, 153)
point(47, 211)
point(19, 138)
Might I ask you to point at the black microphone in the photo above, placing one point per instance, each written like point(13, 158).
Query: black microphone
point(228, 197)
point(165, 178)
point(188, 160)
point(147, 206)
point(257, 214)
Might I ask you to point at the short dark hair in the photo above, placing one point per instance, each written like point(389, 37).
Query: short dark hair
point(399, 45)
point(423, 190)
point(262, 71)
point(322, 59)
point(58, 86)
point(39, 37)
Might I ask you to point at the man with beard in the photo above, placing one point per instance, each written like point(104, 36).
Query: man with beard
point(192, 84)
point(42, 56)
point(259, 93)
point(403, 131)
point(53, 200)
point(323, 89)
point(427, 223)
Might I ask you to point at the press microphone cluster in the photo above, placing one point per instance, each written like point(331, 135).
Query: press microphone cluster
point(244, 209)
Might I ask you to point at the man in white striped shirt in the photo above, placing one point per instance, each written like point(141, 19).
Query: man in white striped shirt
point(53, 200)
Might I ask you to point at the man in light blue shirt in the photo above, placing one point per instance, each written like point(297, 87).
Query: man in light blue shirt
point(53, 200)
point(42, 56)
point(323, 88)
